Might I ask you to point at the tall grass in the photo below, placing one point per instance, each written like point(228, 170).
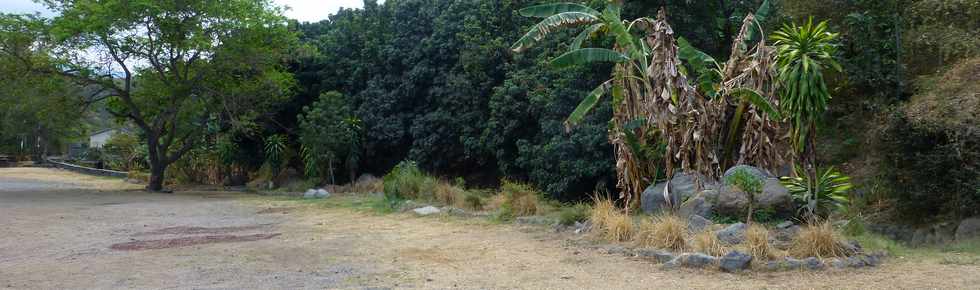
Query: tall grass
point(610, 223)
point(707, 242)
point(663, 231)
point(407, 181)
point(519, 199)
point(818, 239)
point(757, 242)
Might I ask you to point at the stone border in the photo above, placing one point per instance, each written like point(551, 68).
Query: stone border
point(87, 170)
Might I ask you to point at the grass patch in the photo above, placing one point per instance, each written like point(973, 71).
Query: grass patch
point(707, 242)
point(610, 223)
point(757, 242)
point(518, 199)
point(407, 181)
point(817, 240)
point(569, 215)
point(663, 231)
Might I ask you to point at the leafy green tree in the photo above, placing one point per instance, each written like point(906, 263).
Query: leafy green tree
point(170, 66)
point(802, 55)
point(329, 134)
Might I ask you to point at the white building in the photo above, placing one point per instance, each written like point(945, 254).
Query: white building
point(99, 138)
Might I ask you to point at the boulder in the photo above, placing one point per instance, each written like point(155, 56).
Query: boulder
point(692, 260)
point(322, 193)
point(310, 193)
point(784, 225)
point(837, 263)
point(792, 264)
point(812, 263)
point(428, 210)
point(659, 256)
point(751, 170)
point(536, 220)
point(774, 196)
point(697, 223)
point(735, 261)
point(733, 234)
point(696, 205)
point(968, 228)
point(680, 188)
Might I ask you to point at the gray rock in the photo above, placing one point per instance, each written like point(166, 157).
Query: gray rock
point(618, 250)
point(937, 233)
point(812, 263)
point(787, 234)
point(696, 260)
point(872, 260)
point(322, 193)
point(583, 227)
point(697, 223)
point(855, 262)
point(792, 264)
point(733, 234)
point(735, 261)
point(851, 247)
point(968, 228)
point(837, 263)
point(681, 188)
point(761, 174)
point(774, 266)
point(784, 225)
point(696, 205)
point(428, 210)
point(652, 199)
point(659, 256)
point(774, 196)
point(310, 193)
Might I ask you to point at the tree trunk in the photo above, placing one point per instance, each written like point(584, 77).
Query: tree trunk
point(156, 177)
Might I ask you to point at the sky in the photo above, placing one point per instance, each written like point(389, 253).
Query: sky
point(302, 10)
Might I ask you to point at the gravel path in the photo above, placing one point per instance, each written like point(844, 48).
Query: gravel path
point(85, 233)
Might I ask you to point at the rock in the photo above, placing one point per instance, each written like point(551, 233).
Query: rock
point(681, 188)
point(310, 193)
point(855, 262)
point(618, 250)
point(696, 205)
point(812, 263)
point(692, 260)
point(784, 225)
point(792, 264)
point(583, 227)
point(968, 228)
point(697, 223)
point(787, 234)
point(659, 256)
point(775, 196)
point(751, 169)
point(937, 233)
point(851, 247)
point(872, 260)
point(653, 200)
point(735, 261)
point(322, 193)
point(774, 266)
point(837, 263)
point(733, 234)
point(428, 210)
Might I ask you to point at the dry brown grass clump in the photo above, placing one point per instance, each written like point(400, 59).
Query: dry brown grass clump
point(610, 223)
point(707, 242)
point(520, 199)
point(449, 194)
point(662, 231)
point(817, 240)
point(367, 184)
point(757, 242)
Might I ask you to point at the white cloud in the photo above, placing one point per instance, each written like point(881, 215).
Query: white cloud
point(302, 10)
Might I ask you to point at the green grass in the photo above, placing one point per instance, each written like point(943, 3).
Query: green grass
point(956, 253)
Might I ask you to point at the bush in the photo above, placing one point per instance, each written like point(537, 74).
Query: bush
point(817, 239)
point(707, 242)
point(609, 222)
point(569, 215)
point(519, 199)
point(449, 194)
point(662, 231)
point(407, 181)
point(757, 241)
point(473, 201)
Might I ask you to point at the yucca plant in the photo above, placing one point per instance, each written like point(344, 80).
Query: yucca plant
point(275, 149)
point(802, 54)
point(821, 195)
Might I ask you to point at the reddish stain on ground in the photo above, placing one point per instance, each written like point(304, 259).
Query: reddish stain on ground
point(182, 230)
point(189, 241)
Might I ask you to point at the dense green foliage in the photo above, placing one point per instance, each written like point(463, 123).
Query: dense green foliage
point(821, 196)
point(747, 182)
point(329, 135)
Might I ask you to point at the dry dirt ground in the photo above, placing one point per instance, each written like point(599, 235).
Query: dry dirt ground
point(60, 230)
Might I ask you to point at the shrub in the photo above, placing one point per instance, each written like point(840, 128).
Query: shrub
point(662, 231)
point(578, 212)
point(367, 185)
point(519, 199)
point(473, 201)
point(817, 239)
point(748, 183)
point(407, 181)
point(757, 242)
point(609, 223)
point(818, 197)
point(707, 242)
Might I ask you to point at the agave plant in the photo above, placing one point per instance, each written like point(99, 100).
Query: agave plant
point(820, 195)
point(654, 105)
point(275, 149)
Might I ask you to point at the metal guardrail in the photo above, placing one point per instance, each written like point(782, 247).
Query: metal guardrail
point(87, 170)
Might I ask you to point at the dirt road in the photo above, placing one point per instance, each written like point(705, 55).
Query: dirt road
point(60, 230)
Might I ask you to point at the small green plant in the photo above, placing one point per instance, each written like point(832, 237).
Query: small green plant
point(473, 201)
point(820, 196)
point(748, 183)
point(407, 181)
point(519, 199)
point(569, 215)
point(275, 150)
